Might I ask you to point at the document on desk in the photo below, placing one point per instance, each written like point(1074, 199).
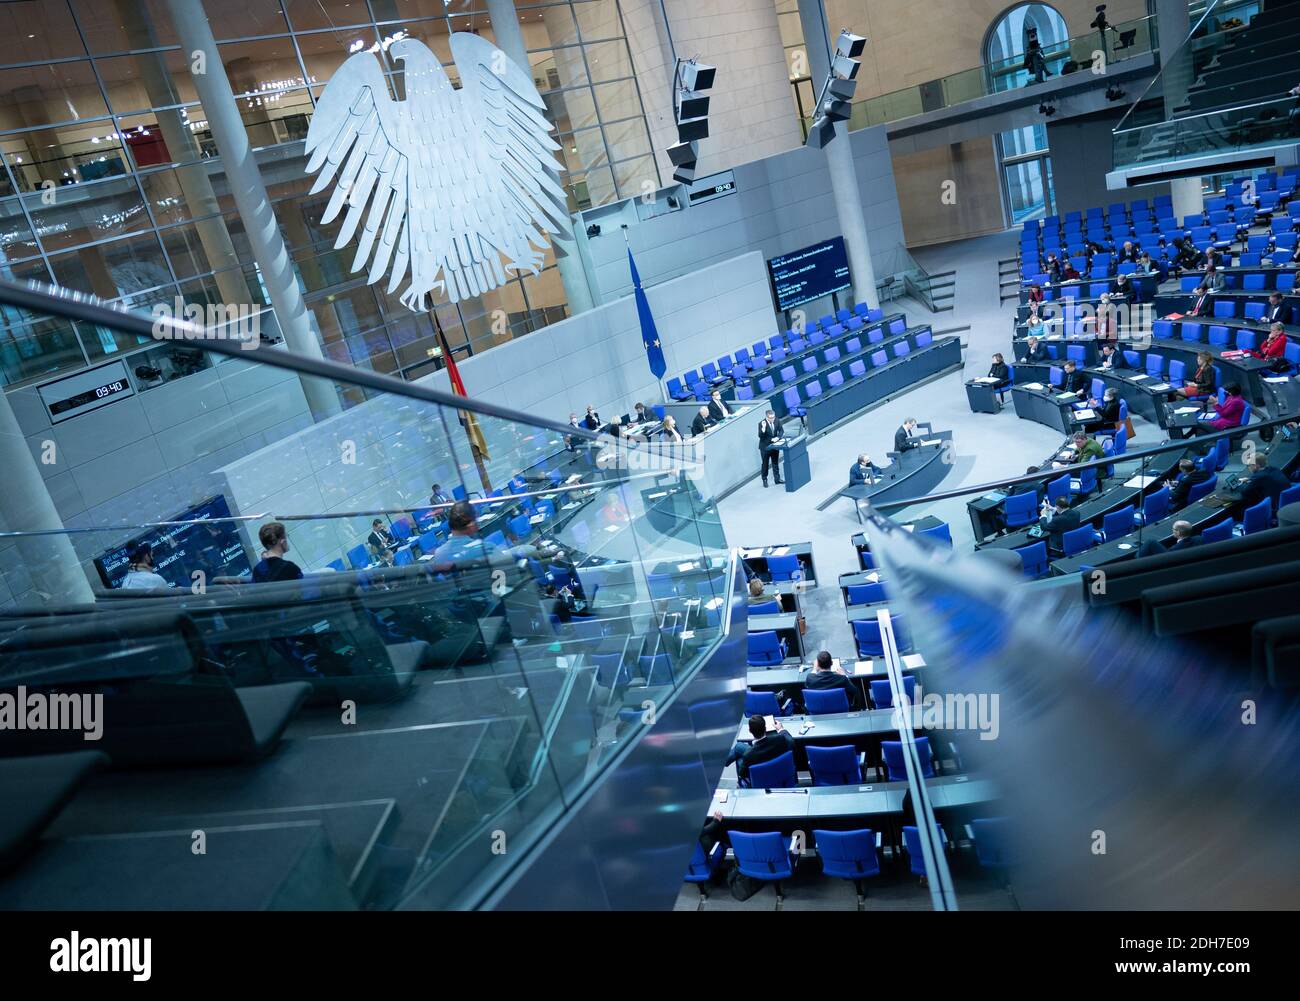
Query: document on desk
point(750, 554)
point(932, 441)
point(1084, 415)
point(780, 551)
point(996, 496)
point(988, 380)
point(912, 661)
point(1275, 379)
point(1160, 387)
point(1141, 481)
point(685, 567)
point(1186, 410)
point(1139, 377)
point(1066, 396)
point(1033, 385)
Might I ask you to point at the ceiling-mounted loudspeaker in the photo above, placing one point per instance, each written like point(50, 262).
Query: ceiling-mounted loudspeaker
point(845, 68)
point(685, 173)
point(820, 133)
point(835, 105)
point(692, 104)
point(697, 76)
point(681, 153)
point(692, 129)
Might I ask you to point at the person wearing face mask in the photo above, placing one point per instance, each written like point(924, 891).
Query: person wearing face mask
point(273, 566)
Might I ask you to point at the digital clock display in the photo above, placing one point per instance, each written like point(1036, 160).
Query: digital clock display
point(86, 391)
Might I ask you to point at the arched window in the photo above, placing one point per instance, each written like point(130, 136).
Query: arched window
point(1008, 39)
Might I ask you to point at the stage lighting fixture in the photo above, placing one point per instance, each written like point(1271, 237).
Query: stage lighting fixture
point(691, 114)
point(835, 102)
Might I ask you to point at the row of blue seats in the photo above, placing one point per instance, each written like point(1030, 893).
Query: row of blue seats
point(796, 406)
point(1264, 280)
point(695, 383)
point(852, 855)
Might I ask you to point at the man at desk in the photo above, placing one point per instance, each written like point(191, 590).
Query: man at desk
point(1072, 380)
point(903, 439)
point(1265, 481)
point(1106, 360)
point(765, 747)
point(863, 471)
point(1058, 520)
point(702, 422)
point(1275, 312)
point(1035, 352)
point(769, 430)
point(1200, 302)
point(717, 408)
point(826, 675)
point(1181, 485)
point(640, 415)
point(1087, 449)
point(380, 539)
point(1185, 537)
point(592, 420)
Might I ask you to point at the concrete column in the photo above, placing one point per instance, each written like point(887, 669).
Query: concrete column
point(249, 193)
point(1177, 74)
point(510, 40)
point(26, 506)
point(839, 160)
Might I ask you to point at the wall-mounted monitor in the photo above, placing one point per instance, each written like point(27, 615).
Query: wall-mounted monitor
point(86, 391)
point(810, 273)
point(206, 544)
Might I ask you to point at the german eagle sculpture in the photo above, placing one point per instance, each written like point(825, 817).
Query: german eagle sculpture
point(454, 186)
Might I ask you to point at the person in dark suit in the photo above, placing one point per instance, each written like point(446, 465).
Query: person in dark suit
point(1072, 380)
point(570, 440)
point(592, 420)
point(903, 439)
point(640, 414)
point(1107, 410)
point(1188, 476)
point(380, 540)
point(1184, 538)
point(1053, 268)
point(1107, 357)
point(1213, 280)
point(717, 409)
point(702, 422)
point(863, 471)
point(998, 370)
point(1265, 481)
point(1056, 522)
point(1035, 351)
point(768, 429)
point(1202, 383)
point(438, 496)
point(765, 747)
point(1126, 253)
point(1201, 305)
point(1275, 311)
point(825, 676)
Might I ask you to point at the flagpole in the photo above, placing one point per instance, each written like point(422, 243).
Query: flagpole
point(462, 418)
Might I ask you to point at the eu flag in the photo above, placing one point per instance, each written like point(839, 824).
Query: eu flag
point(649, 335)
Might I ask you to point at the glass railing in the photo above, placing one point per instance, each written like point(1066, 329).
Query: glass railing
point(435, 681)
point(1223, 90)
point(1126, 40)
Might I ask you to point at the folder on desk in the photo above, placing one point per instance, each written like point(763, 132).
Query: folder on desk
point(932, 441)
point(1033, 385)
point(1139, 377)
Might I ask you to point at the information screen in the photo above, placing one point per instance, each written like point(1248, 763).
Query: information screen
point(215, 547)
point(809, 274)
point(86, 391)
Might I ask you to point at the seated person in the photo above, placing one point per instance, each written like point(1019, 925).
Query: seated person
point(1057, 520)
point(1069, 273)
point(1073, 380)
point(1107, 357)
point(759, 594)
point(592, 419)
point(1053, 268)
point(560, 602)
point(380, 541)
point(825, 675)
point(1035, 295)
point(1276, 311)
point(1226, 414)
point(903, 439)
point(1184, 538)
point(1086, 448)
point(640, 415)
point(1213, 280)
point(1201, 304)
point(1035, 351)
point(140, 574)
point(1127, 253)
point(273, 566)
point(863, 471)
point(1181, 484)
point(1125, 292)
point(702, 422)
point(1265, 481)
point(1203, 378)
point(1107, 410)
point(1274, 346)
point(717, 408)
point(765, 747)
point(1032, 487)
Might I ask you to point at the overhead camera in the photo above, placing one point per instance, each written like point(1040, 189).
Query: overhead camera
point(1100, 22)
point(148, 373)
point(593, 231)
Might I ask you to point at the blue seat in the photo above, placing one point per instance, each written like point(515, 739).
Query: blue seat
point(835, 766)
point(336, 565)
point(912, 843)
point(1118, 524)
point(520, 526)
point(429, 541)
point(819, 701)
point(1291, 495)
point(1218, 532)
point(764, 704)
point(939, 533)
point(1155, 507)
point(779, 773)
point(764, 856)
point(992, 842)
point(782, 568)
point(850, 855)
point(656, 669)
point(866, 633)
point(1020, 509)
point(403, 557)
point(703, 867)
point(661, 586)
point(896, 770)
point(1085, 483)
point(1059, 487)
point(793, 405)
point(766, 608)
point(882, 696)
point(359, 557)
point(857, 369)
point(902, 348)
point(1257, 517)
point(1246, 340)
point(865, 594)
point(1200, 490)
point(678, 391)
point(1218, 336)
point(1033, 559)
point(1076, 541)
point(765, 649)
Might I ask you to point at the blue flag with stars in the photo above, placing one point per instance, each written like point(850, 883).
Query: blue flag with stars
point(649, 335)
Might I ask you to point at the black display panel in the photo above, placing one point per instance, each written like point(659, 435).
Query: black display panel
point(809, 274)
point(178, 550)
